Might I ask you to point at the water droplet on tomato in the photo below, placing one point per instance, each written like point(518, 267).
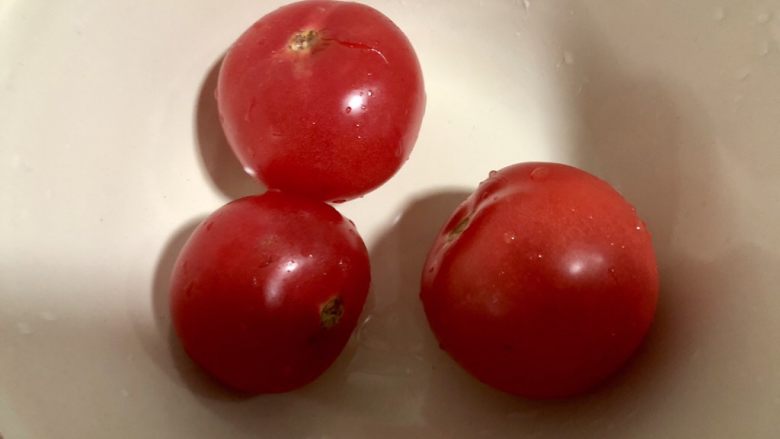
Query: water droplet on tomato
point(612, 273)
point(492, 173)
point(363, 107)
point(539, 256)
point(539, 173)
point(348, 110)
point(370, 93)
point(509, 237)
point(209, 225)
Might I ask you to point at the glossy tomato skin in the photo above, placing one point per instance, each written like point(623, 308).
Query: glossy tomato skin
point(322, 98)
point(267, 291)
point(543, 282)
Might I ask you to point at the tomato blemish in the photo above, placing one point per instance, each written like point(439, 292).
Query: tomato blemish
point(362, 46)
point(304, 41)
point(331, 312)
point(459, 229)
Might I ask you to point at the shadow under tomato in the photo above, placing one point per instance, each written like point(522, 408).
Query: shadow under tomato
point(367, 391)
point(222, 166)
point(226, 174)
point(648, 136)
point(391, 368)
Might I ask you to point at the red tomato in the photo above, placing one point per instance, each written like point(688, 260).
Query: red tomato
point(543, 282)
point(267, 291)
point(322, 98)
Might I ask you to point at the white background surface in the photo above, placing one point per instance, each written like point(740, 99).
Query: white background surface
point(110, 153)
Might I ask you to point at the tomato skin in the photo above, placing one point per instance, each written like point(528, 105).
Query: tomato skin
point(267, 290)
point(543, 282)
point(331, 122)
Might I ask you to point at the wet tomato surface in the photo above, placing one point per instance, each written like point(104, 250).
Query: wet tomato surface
point(543, 282)
point(322, 98)
point(267, 291)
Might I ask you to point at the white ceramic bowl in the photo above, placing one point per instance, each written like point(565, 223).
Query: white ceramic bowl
point(110, 153)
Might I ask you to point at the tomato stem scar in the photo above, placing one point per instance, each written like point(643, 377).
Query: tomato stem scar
point(304, 41)
point(331, 312)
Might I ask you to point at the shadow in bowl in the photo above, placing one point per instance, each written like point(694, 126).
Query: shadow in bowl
point(396, 349)
point(648, 136)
